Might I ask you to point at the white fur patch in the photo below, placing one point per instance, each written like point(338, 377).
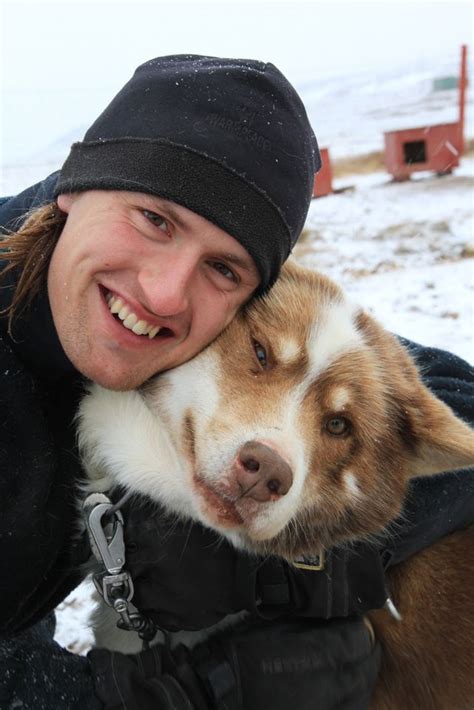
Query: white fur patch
point(195, 386)
point(339, 399)
point(334, 334)
point(288, 350)
point(122, 442)
point(351, 485)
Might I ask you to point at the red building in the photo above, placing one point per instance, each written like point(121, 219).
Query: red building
point(323, 179)
point(437, 148)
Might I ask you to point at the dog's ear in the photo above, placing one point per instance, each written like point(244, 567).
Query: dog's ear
point(436, 439)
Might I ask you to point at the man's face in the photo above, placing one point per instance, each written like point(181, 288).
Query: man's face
point(127, 260)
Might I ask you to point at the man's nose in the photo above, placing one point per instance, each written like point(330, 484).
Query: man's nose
point(166, 291)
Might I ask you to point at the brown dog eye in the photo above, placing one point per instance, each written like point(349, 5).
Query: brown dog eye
point(337, 426)
point(261, 354)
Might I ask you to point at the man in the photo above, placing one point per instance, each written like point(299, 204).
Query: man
point(182, 202)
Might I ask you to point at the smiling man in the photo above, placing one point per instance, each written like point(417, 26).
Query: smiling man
point(138, 284)
point(183, 200)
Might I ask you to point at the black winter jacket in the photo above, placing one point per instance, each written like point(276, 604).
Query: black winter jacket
point(38, 463)
point(40, 470)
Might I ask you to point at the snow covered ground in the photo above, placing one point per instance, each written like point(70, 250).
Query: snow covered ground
point(403, 250)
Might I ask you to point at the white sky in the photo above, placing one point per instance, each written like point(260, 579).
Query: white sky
point(63, 61)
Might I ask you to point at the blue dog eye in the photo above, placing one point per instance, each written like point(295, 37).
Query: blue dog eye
point(261, 354)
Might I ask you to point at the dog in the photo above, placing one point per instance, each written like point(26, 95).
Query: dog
point(296, 430)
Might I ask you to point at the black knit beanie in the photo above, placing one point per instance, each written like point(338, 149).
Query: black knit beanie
point(227, 138)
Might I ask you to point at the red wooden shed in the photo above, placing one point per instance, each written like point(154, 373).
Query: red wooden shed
point(437, 148)
point(323, 179)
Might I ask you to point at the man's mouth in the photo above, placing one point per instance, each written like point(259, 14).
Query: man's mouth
point(130, 320)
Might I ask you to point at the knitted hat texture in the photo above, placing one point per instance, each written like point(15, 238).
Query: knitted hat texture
point(227, 138)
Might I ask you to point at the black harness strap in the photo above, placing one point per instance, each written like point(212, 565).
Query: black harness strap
point(351, 583)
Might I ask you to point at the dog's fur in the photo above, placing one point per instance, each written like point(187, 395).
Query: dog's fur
point(314, 393)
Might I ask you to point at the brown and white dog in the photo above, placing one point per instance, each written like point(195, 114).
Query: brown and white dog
point(298, 429)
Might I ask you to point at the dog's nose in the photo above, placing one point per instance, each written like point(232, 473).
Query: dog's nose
point(261, 472)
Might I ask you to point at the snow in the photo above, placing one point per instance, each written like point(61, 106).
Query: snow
point(72, 619)
point(403, 250)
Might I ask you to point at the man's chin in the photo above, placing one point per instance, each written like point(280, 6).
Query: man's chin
point(116, 379)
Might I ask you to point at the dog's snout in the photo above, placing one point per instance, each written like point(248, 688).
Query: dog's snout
point(261, 472)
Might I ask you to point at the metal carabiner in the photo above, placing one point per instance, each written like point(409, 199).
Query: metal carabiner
point(106, 537)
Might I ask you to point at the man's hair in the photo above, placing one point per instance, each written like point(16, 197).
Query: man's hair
point(28, 251)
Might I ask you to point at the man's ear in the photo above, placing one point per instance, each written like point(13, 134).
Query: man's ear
point(437, 440)
point(65, 201)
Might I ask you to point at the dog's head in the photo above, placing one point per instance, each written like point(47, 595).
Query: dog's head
point(299, 427)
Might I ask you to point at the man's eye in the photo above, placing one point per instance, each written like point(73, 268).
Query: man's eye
point(157, 220)
point(224, 270)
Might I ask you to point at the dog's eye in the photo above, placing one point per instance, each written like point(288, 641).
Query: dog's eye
point(338, 426)
point(261, 354)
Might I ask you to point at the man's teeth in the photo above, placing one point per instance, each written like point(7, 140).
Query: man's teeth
point(129, 319)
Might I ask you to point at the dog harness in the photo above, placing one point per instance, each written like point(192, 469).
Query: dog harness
point(340, 583)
